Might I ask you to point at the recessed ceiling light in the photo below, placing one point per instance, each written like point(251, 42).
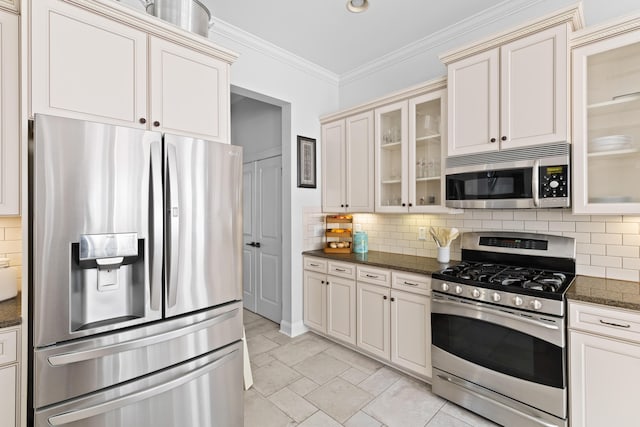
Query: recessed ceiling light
point(357, 6)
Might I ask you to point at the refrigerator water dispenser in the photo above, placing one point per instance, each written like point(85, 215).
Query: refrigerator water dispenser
point(107, 280)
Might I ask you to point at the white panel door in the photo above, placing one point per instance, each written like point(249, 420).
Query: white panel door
point(373, 319)
point(189, 92)
point(473, 86)
point(603, 377)
point(248, 232)
point(315, 300)
point(534, 82)
point(9, 116)
point(85, 66)
point(341, 309)
point(333, 167)
point(262, 238)
point(411, 331)
point(359, 162)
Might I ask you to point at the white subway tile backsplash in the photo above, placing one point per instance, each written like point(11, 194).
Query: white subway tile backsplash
point(606, 261)
point(606, 239)
point(607, 246)
point(623, 251)
point(591, 227)
point(621, 274)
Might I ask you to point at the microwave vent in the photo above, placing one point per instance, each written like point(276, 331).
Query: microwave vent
point(514, 155)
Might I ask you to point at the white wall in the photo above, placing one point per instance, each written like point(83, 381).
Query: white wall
point(305, 97)
point(257, 127)
point(374, 81)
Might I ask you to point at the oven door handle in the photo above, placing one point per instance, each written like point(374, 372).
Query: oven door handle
point(551, 333)
point(496, 313)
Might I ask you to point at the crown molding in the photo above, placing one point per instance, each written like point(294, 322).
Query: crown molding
point(439, 38)
point(235, 34)
point(605, 30)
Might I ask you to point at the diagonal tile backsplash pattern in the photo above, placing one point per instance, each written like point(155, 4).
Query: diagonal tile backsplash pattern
point(607, 245)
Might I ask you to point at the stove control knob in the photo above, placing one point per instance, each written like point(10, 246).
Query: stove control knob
point(518, 301)
point(445, 287)
point(475, 293)
point(496, 297)
point(458, 289)
point(537, 305)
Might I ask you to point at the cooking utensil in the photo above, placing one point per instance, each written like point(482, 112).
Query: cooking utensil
point(190, 15)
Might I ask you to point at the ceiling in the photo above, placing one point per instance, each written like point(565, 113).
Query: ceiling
point(326, 34)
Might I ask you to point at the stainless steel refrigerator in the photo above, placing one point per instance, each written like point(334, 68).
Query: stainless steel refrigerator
point(135, 284)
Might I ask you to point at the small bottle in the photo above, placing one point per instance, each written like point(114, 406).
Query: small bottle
point(8, 280)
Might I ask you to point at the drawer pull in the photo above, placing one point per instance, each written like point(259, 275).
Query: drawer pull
point(618, 325)
point(342, 270)
point(314, 265)
point(371, 276)
point(411, 284)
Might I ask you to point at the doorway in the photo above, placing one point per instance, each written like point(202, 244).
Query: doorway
point(257, 127)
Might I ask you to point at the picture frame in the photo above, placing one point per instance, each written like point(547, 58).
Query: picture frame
point(306, 162)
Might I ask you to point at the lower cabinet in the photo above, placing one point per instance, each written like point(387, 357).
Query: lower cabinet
point(384, 313)
point(604, 366)
point(330, 304)
point(9, 375)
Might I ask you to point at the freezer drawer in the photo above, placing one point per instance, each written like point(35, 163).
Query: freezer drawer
point(71, 370)
point(204, 392)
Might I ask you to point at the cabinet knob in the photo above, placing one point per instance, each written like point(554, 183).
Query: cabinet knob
point(347, 205)
point(322, 281)
point(392, 299)
point(156, 123)
point(492, 140)
point(342, 206)
point(504, 138)
point(142, 120)
point(404, 204)
point(384, 297)
point(410, 204)
point(327, 282)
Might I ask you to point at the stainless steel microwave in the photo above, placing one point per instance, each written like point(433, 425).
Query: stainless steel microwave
point(531, 177)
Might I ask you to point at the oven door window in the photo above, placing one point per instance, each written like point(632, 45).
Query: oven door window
point(500, 349)
point(490, 185)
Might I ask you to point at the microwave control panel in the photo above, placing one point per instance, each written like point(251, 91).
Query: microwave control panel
point(554, 181)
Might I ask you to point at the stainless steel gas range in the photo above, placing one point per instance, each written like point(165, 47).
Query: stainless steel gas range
point(499, 327)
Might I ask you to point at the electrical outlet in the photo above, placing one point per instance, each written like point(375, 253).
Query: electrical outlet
point(422, 233)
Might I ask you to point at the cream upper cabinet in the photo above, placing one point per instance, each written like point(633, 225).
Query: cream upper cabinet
point(511, 96)
point(189, 91)
point(606, 120)
point(604, 365)
point(91, 65)
point(86, 66)
point(410, 151)
point(347, 164)
point(9, 115)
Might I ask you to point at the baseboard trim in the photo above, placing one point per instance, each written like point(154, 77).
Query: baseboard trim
point(293, 329)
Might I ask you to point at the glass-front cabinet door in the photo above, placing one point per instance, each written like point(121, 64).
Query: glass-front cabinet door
point(606, 97)
point(392, 157)
point(410, 154)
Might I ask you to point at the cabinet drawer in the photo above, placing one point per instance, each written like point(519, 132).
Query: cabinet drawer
point(8, 347)
point(315, 264)
point(416, 283)
point(617, 323)
point(376, 276)
point(342, 269)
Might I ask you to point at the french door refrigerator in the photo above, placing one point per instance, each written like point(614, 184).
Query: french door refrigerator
point(135, 284)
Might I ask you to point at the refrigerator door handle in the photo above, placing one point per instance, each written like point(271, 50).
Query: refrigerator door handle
point(94, 353)
point(111, 405)
point(155, 232)
point(173, 225)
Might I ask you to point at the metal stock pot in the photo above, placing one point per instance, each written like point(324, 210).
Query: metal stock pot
point(190, 15)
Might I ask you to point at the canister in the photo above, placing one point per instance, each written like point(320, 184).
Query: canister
point(360, 242)
point(8, 280)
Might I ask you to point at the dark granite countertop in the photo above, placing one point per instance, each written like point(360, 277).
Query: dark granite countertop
point(414, 264)
point(10, 312)
point(609, 292)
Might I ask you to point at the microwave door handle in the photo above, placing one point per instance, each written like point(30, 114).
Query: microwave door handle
point(130, 399)
point(173, 225)
point(535, 183)
point(155, 227)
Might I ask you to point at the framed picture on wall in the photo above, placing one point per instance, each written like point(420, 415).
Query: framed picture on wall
point(306, 162)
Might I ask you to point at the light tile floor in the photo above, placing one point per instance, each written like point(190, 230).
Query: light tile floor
point(309, 381)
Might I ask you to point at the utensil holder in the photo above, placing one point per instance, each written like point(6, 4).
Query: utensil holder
point(444, 254)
